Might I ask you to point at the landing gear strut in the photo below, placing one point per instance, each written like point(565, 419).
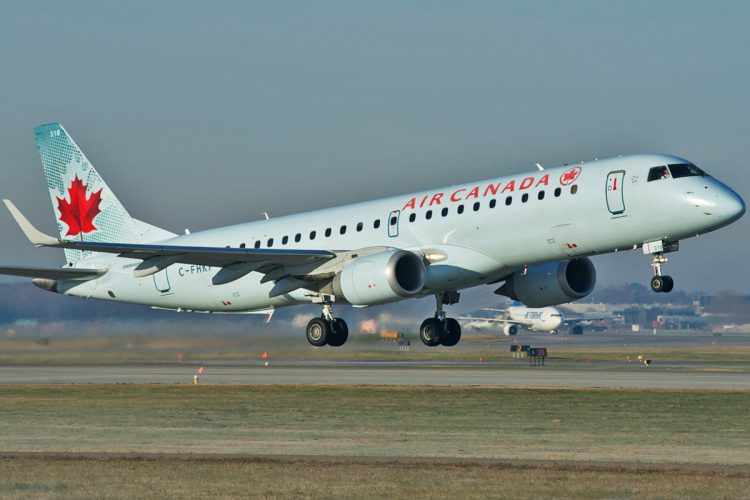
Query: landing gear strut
point(327, 329)
point(440, 330)
point(660, 282)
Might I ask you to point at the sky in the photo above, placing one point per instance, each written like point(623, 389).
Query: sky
point(201, 114)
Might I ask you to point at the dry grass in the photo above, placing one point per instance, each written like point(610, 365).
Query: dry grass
point(589, 425)
point(144, 349)
point(193, 478)
point(197, 442)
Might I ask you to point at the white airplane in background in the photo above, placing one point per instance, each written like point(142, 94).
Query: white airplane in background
point(531, 232)
point(543, 319)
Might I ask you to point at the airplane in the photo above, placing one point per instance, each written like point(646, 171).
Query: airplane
point(533, 234)
point(543, 319)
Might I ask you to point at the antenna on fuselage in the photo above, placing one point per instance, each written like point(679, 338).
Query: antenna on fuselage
point(540, 167)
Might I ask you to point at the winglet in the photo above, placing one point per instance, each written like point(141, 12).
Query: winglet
point(35, 236)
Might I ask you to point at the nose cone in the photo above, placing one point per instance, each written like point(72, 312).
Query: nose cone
point(730, 206)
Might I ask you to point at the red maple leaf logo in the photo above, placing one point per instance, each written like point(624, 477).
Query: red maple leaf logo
point(79, 213)
point(570, 176)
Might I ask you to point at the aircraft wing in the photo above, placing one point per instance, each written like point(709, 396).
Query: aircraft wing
point(156, 257)
point(491, 320)
point(52, 273)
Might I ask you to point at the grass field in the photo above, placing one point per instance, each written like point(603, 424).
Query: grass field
point(220, 477)
point(144, 349)
point(395, 442)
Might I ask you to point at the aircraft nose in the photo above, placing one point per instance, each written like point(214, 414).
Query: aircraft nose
point(730, 206)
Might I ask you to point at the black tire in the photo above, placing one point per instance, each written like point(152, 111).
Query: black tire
point(668, 284)
point(657, 284)
point(576, 330)
point(339, 333)
point(430, 332)
point(318, 331)
point(452, 333)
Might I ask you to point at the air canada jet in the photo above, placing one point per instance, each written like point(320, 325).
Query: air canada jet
point(543, 319)
point(531, 234)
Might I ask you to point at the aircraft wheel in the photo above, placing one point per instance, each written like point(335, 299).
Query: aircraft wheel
point(339, 333)
point(318, 332)
point(668, 284)
point(658, 283)
point(452, 333)
point(430, 332)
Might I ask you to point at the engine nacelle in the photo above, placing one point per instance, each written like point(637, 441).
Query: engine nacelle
point(381, 277)
point(510, 330)
point(552, 283)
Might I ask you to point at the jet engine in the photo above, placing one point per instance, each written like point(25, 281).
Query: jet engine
point(510, 330)
point(551, 283)
point(381, 277)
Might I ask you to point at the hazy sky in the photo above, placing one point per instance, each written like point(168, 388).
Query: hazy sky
point(207, 113)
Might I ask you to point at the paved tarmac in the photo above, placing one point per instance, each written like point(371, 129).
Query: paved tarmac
point(459, 374)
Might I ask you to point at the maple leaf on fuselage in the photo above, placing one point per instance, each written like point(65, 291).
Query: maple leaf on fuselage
point(79, 212)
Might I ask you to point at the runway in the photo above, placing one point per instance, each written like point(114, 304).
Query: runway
point(363, 373)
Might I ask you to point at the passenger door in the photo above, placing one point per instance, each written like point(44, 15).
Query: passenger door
point(615, 192)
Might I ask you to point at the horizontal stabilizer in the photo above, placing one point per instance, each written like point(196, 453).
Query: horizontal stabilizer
point(52, 273)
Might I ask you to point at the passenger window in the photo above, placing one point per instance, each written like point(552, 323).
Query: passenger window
point(658, 173)
point(359, 226)
point(394, 220)
point(574, 189)
point(685, 170)
point(444, 211)
point(257, 244)
point(285, 240)
point(342, 230)
point(493, 202)
point(297, 237)
point(328, 232)
point(508, 200)
point(376, 224)
point(412, 217)
point(270, 242)
point(428, 215)
point(558, 191)
point(312, 235)
point(476, 206)
point(525, 198)
point(540, 195)
point(460, 209)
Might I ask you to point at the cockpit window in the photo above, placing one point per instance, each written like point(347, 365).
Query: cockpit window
point(658, 173)
point(685, 170)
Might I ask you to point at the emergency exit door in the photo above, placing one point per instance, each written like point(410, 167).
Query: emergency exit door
point(615, 192)
point(393, 218)
point(161, 281)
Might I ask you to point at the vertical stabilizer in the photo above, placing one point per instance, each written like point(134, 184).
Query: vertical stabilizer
point(85, 207)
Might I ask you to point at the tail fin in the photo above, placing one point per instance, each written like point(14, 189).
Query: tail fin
point(84, 206)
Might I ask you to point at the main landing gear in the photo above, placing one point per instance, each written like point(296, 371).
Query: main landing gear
point(327, 330)
point(660, 282)
point(440, 330)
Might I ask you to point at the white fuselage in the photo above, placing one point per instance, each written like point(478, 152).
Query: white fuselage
point(540, 216)
point(541, 319)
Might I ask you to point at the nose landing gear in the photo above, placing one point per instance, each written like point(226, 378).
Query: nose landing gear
point(660, 282)
point(440, 330)
point(327, 329)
